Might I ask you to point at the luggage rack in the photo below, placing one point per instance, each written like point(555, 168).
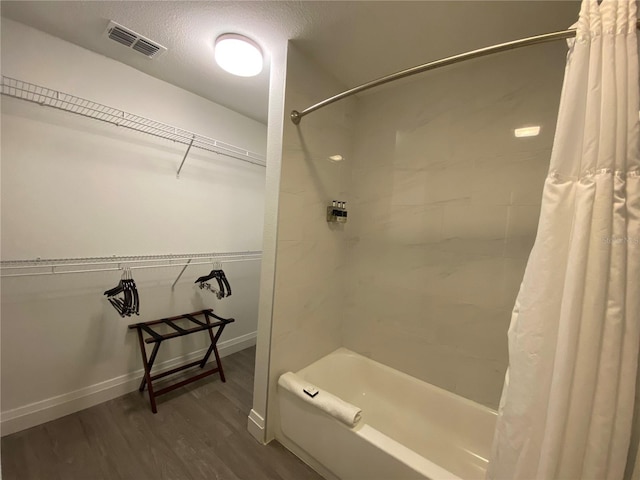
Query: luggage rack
point(157, 338)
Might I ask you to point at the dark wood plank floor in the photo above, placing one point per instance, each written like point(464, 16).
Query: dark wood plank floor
point(199, 432)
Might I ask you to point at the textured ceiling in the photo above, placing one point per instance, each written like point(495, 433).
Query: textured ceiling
point(356, 41)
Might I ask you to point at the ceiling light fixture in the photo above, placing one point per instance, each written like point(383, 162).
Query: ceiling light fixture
point(527, 131)
point(238, 55)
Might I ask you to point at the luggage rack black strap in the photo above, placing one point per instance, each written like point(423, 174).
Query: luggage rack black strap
point(190, 317)
point(156, 336)
point(176, 327)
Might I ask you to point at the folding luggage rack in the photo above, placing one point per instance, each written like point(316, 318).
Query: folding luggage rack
point(157, 338)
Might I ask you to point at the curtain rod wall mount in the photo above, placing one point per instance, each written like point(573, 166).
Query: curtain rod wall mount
point(296, 116)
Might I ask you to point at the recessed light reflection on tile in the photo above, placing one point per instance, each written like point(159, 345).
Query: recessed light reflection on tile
point(527, 131)
point(336, 158)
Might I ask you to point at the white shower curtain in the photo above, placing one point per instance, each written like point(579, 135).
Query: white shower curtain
point(567, 405)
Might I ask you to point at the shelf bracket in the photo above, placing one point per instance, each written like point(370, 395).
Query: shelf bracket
point(185, 158)
point(180, 274)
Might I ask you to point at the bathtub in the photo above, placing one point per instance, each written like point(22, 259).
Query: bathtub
point(409, 429)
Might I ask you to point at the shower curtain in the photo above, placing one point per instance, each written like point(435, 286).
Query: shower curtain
point(567, 405)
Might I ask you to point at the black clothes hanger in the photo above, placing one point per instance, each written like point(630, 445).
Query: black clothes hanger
point(129, 303)
point(224, 289)
point(136, 298)
point(115, 290)
point(209, 276)
point(212, 275)
point(223, 277)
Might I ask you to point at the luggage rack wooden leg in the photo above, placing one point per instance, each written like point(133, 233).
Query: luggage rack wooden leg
point(212, 347)
point(147, 371)
point(157, 339)
point(152, 359)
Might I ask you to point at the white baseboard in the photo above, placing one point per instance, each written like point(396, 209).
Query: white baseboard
point(49, 409)
point(255, 425)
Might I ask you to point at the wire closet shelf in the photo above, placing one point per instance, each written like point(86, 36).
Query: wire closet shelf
point(31, 92)
point(37, 267)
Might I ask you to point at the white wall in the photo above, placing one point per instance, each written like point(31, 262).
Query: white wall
point(74, 187)
point(256, 422)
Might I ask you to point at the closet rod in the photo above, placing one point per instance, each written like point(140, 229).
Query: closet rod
point(115, 269)
point(43, 96)
point(296, 116)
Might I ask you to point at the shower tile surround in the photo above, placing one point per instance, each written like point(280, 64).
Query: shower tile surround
point(443, 209)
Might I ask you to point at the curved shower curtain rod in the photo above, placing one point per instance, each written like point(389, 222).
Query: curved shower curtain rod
point(296, 116)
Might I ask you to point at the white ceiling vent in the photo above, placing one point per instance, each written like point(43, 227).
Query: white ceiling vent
point(133, 40)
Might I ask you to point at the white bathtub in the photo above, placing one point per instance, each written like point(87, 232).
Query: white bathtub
point(409, 429)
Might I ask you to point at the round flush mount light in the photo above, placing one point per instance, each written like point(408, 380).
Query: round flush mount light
point(238, 55)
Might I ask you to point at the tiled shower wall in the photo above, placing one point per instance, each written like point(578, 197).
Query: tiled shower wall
point(444, 205)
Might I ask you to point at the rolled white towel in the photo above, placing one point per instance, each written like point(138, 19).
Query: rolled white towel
point(336, 407)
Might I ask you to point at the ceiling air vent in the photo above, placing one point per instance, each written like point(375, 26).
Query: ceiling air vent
point(133, 40)
point(147, 48)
